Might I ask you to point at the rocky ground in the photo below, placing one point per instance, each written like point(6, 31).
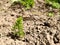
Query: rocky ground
point(39, 28)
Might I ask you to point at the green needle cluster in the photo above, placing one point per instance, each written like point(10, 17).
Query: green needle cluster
point(18, 27)
point(54, 3)
point(26, 3)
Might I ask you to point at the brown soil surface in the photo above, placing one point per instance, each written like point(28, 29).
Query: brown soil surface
point(39, 28)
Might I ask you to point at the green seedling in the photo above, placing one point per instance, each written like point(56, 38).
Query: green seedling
point(50, 14)
point(54, 3)
point(26, 3)
point(18, 27)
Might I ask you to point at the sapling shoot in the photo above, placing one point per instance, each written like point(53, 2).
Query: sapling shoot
point(26, 3)
point(18, 27)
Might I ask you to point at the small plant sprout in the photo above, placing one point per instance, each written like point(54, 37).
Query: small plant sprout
point(50, 14)
point(54, 3)
point(26, 3)
point(18, 27)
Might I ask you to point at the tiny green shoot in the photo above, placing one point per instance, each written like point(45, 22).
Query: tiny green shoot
point(54, 3)
point(50, 14)
point(26, 3)
point(18, 27)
